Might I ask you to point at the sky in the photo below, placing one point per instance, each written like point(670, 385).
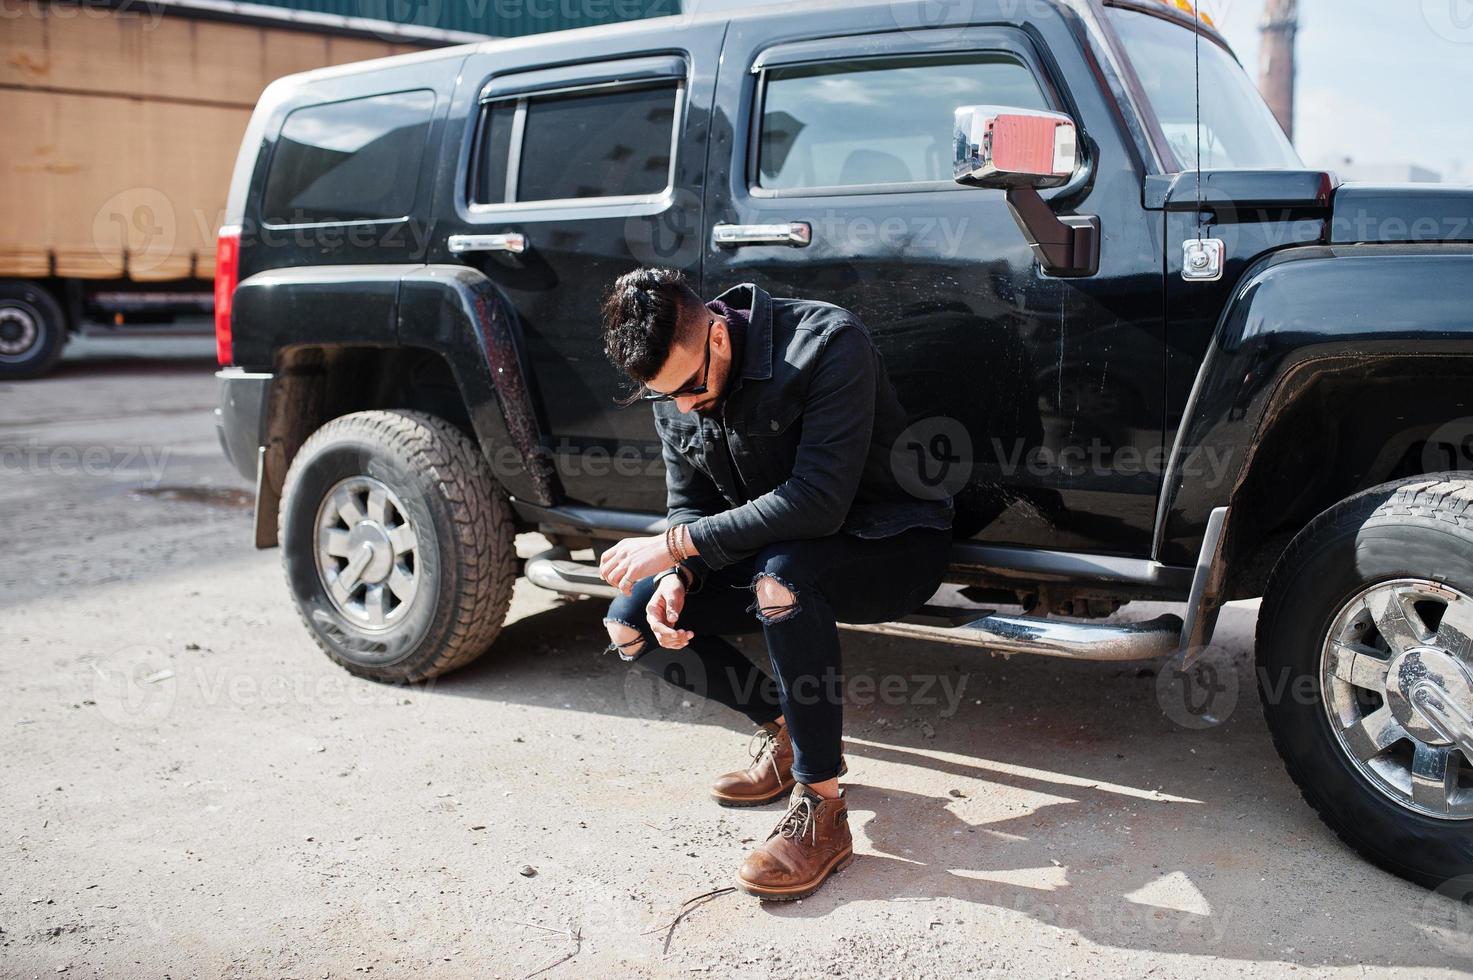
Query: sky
point(1380, 81)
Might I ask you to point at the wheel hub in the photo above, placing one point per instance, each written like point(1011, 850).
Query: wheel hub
point(370, 540)
point(1431, 689)
point(1397, 684)
point(18, 332)
point(367, 553)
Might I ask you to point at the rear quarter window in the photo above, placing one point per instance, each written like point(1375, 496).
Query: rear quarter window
point(356, 160)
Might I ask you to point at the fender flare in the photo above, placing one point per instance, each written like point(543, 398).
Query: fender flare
point(451, 310)
point(1297, 316)
point(458, 313)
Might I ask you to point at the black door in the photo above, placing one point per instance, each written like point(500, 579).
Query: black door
point(577, 175)
point(1044, 393)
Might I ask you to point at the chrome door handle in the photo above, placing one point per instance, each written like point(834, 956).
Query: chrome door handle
point(795, 233)
point(514, 242)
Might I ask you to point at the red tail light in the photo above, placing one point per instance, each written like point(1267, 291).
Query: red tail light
point(227, 276)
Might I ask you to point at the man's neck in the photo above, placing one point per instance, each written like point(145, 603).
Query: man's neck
point(737, 323)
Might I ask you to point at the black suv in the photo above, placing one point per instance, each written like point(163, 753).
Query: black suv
point(1145, 382)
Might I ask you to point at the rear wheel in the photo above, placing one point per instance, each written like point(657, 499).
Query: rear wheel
point(32, 331)
point(398, 545)
point(1365, 668)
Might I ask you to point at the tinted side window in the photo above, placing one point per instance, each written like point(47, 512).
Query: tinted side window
point(349, 161)
point(879, 121)
point(599, 143)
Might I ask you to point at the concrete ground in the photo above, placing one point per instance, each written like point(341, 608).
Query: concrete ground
point(191, 789)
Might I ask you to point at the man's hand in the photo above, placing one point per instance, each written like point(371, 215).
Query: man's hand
point(664, 610)
point(632, 559)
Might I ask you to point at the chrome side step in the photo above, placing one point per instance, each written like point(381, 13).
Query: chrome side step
point(554, 571)
point(1046, 637)
point(964, 626)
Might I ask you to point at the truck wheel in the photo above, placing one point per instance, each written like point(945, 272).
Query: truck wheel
point(1365, 670)
point(398, 545)
point(32, 331)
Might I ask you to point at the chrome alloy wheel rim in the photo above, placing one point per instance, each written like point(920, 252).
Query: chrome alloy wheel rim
point(19, 331)
point(367, 553)
point(1396, 679)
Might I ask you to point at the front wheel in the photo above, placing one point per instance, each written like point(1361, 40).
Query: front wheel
point(1365, 670)
point(398, 545)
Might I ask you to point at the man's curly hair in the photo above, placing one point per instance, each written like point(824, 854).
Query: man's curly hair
point(642, 319)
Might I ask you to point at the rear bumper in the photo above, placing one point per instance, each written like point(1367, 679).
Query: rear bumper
point(240, 420)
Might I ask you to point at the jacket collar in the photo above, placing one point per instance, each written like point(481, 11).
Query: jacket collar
point(757, 344)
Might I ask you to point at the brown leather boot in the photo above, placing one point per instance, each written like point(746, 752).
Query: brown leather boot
point(809, 843)
point(768, 778)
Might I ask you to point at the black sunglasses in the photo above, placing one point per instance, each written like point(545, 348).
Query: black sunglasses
point(700, 389)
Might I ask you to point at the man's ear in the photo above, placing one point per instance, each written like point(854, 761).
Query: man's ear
point(721, 335)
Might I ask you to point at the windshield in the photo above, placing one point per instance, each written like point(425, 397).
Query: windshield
point(1238, 130)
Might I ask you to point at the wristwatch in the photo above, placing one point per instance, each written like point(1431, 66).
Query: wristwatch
point(672, 570)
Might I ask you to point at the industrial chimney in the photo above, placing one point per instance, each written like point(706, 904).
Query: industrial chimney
point(1276, 59)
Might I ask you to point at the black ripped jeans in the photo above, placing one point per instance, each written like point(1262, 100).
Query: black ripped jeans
point(839, 578)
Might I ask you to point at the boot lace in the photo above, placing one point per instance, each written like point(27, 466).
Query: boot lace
point(801, 819)
point(763, 748)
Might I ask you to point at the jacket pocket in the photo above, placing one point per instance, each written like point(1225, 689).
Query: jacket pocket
point(683, 438)
point(770, 444)
point(773, 418)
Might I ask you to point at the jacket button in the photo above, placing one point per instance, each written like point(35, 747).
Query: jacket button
point(774, 425)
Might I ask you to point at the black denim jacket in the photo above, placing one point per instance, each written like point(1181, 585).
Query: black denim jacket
point(812, 422)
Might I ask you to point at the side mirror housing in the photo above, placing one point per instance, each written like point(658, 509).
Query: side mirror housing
point(1022, 151)
point(1001, 147)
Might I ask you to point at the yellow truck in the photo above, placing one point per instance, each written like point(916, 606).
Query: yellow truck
point(121, 127)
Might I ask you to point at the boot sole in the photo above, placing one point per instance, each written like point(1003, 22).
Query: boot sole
point(794, 892)
point(736, 802)
point(746, 801)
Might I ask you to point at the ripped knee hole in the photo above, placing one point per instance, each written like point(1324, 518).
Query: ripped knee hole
point(624, 639)
point(775, 601)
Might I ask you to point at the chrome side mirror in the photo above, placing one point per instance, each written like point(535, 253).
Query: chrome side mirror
point(1021, 151)
point(996, 146)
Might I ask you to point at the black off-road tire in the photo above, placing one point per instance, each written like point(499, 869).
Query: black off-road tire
point(1420, 528)
point(465, 561)
point(40, 328)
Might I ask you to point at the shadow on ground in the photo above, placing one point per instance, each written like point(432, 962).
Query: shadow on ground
point(1114, 822)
